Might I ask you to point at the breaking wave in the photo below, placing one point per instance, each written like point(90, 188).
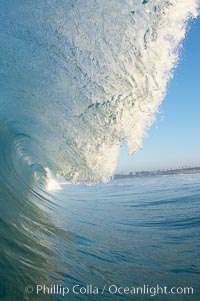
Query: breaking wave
point(78, 78)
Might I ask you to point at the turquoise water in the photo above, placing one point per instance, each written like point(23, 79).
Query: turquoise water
point(128, 233)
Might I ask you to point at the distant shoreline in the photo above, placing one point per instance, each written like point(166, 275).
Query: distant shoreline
point(139, 174)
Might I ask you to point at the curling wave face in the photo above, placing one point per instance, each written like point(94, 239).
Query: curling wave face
point(78, 78)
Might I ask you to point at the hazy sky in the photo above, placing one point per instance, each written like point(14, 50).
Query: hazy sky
point(174, 139)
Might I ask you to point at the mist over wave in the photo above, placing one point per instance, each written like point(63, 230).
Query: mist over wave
point(78, 78)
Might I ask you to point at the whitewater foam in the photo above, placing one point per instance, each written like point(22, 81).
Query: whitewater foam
point(81, 77)
point(52, 184)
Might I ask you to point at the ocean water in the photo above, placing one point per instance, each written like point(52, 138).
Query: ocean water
point(127, 233)
point(78, 79)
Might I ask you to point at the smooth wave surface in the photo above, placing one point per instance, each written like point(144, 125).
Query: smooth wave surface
point(128, 232)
